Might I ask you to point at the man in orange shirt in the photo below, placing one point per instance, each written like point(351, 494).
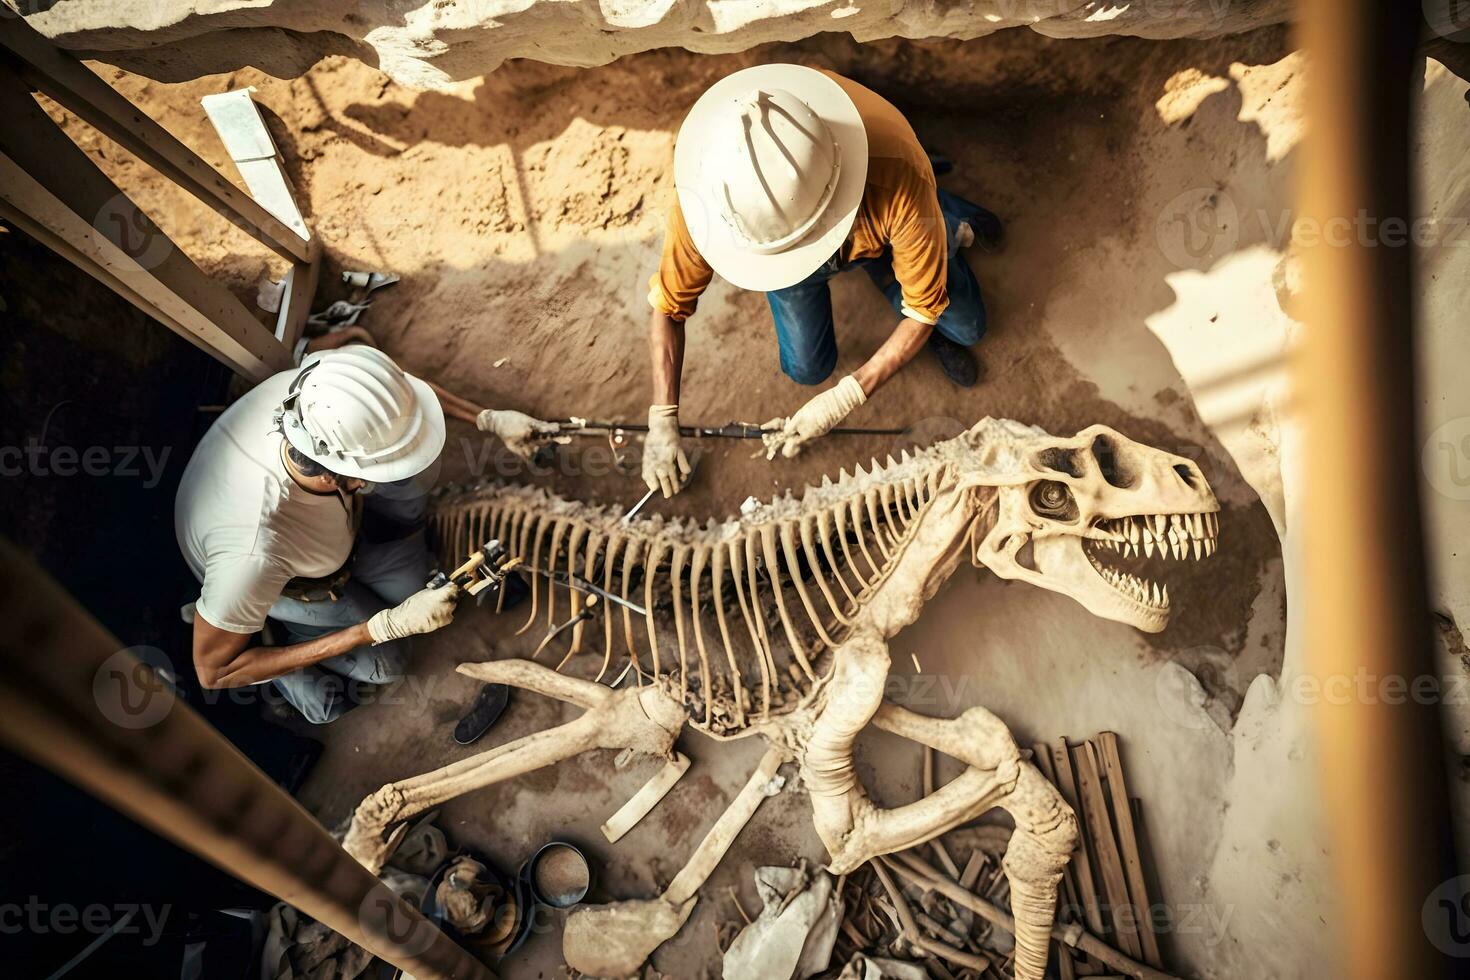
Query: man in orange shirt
point(786, 176)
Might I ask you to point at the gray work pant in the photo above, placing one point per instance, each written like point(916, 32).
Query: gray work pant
point(383, 575)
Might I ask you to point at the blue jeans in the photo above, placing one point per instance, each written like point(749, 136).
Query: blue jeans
point(384, 573)
point(803, 312)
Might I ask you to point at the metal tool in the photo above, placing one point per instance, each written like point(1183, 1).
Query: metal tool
point(623, 521)
point(582, 585)
point(485, 568)
point(584, 615)
point(730, 430)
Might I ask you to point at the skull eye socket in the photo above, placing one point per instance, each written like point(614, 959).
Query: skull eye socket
point(1053, 500)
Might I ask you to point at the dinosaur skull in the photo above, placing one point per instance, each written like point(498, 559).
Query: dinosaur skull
point(1091, 516)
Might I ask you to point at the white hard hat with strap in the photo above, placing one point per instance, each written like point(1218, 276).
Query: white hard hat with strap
point(360, 415)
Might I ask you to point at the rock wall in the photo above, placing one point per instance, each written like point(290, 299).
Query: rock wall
point(429, 44)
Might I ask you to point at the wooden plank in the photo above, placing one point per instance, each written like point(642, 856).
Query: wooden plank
point(296, 298)
point(1105, 848)
point(1042, 756)
point(926, 782)
point(1086, 888)
point(45, 176)
point(25, 224)
point(77, 88)
point(1112, 764)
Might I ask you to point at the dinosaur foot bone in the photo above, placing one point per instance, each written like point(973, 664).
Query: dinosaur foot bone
point(644, 719)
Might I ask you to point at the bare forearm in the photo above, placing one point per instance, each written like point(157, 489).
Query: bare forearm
point(907, 339)
point(666, 344)
point(455, 406)
point(258, 664)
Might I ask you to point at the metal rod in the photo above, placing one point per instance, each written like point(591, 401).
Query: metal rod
point(76, 702)
point(1363, 590)
point(730, 430)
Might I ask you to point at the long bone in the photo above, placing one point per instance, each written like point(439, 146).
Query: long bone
point(717, 573)
point(738, 575)
point(643, 719)
point(614, 940)
point(793, 563)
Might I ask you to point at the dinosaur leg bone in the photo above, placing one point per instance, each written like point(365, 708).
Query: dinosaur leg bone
point(614, 940)
point(1046, 828)
point(644, 719)
point(854, 693)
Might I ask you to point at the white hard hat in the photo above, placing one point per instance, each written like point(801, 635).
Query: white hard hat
point(770, 167)
point(360, 415)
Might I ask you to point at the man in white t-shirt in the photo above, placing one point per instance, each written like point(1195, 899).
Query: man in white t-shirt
point(275, 517)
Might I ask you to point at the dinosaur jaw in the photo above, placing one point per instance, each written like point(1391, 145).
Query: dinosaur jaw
point(1115, 568)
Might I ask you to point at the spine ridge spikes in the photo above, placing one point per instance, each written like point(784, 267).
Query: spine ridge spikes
point(826, 481)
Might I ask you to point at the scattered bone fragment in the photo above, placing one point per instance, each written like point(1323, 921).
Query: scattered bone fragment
point(614, 940)
point(792, 938)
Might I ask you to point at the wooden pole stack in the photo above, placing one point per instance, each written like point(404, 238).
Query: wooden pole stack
point(1104, 889)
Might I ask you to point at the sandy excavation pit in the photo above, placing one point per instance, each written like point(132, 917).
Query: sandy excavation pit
point(523, 212)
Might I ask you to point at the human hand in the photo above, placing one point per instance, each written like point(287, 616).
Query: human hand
point(813, 420)
point(522, 434)
point(665, 467)
point(423, 612)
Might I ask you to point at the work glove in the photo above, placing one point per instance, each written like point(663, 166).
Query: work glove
point(521, 433)
point(665, 467)
point(423, 612)
point(814, 419)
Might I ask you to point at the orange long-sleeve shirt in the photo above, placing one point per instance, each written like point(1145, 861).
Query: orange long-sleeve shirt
point(899, 211)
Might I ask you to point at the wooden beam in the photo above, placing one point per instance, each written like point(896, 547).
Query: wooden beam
point(77, 88)
point(1067, 785)
point(1112, 766)
point(45, 176)
point(48, 238)
point(1381, 767)
point(1105, 849)
point(296, 297)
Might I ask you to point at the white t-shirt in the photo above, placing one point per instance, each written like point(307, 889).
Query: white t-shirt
point(244, 526)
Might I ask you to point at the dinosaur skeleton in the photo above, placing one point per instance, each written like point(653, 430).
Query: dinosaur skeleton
point(817, 585)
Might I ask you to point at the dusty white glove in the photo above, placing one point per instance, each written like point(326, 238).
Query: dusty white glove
point(423, 612)
point(814, 419)
point(521, 433)
point(665, 467)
